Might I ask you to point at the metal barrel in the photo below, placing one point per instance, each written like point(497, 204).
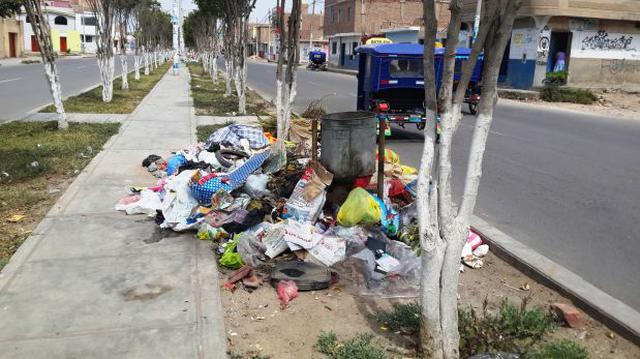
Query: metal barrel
point(348, 144)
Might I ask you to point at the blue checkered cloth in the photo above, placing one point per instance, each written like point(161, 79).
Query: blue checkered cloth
point(232, 134)
point(204, 192)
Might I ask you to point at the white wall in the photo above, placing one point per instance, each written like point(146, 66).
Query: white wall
point(605, 45)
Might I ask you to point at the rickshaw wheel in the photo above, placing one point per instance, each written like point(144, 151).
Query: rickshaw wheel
point(421, 126)
point(473, 108)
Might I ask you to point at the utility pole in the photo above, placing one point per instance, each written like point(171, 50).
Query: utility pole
point(476, 20)
point(269, 37)
point(313, 15)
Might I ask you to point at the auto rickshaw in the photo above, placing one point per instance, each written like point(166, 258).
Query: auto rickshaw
point(317, 60)
point(391, 78)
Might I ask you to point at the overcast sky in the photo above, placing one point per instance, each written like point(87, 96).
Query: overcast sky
point(259, 14)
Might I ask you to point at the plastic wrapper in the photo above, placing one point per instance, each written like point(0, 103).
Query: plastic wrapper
point(231, 258)
point(359, 275)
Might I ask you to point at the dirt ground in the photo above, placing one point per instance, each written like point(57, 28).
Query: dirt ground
point(611, 103)
point(255, 324)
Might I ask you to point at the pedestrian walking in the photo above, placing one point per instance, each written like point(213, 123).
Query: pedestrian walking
point(176, 64)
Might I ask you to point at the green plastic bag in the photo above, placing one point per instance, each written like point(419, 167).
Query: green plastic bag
point(359, 208)
point(230, 258)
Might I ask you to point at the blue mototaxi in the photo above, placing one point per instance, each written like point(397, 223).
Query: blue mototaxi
point(317, 60)
point(391, 78)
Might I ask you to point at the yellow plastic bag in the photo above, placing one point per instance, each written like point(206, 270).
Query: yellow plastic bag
point(359, 208)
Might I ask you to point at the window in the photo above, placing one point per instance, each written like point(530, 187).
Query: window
point(87, 38)
point(349, 13)
point(334, 47)
point(339, 14)
point(353, 47)
point(28, 19)
point(333, 14)
point(89, 21)
point(406, 68)
point(60, 20)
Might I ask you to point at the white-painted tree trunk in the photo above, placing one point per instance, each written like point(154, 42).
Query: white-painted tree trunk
point(125, 72)
point(51, 72)
point(136, 64)
point(241, 88)
point(106, 67)
point(146, 63)
point(228, 75)
point(213, 63)
point(205, 62)
point(443, 228)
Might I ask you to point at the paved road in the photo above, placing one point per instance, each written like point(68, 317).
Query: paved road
point(24, 87)
point(566, 184)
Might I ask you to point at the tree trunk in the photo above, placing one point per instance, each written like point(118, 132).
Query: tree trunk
point(214, 67)
point(228, 74)
point(106, 67)
point(136, 64)
point(241, 89)
point(281, 128)
point(125, 71)
point(51, 71)
point(205, 62)
point(146, 63)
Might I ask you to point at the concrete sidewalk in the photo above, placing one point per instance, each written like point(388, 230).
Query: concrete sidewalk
point(93, 283)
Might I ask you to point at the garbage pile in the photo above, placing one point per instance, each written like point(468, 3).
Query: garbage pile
point(272, 212)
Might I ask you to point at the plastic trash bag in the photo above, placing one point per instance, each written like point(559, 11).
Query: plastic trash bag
point(174, 163)
point(231, 258)
point(178, 204)
point(250, 245)
point(389, 218)
point(287, 290)
point(359, 208)
point(359, 274)
point(256, 186)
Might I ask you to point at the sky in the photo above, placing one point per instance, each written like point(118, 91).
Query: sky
point(259, 13)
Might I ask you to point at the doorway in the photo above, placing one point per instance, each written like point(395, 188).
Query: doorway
point(504, 65)
point(35, 47)
point(560, 43)
point(63, 44)
point(13, 51)
point(343, 50)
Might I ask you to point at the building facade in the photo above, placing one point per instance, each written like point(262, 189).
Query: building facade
point(62, 22)
point(348, 22)
point(11, 34)
point(597, 42)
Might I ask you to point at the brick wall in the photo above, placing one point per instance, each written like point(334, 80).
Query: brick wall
point(339, 16)
point(349, 16)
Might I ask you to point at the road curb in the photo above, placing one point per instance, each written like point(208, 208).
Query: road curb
point(610, 311)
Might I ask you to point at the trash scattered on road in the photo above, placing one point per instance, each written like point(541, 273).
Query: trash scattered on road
point(15, 218)
point(287, 290)
point(272, 212)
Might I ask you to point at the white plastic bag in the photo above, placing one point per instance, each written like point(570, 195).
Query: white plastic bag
point(256, 186)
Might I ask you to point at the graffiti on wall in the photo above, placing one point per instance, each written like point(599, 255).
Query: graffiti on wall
point(544, 43)
point(604, 45)
point(602, 41)
point(616, 66)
